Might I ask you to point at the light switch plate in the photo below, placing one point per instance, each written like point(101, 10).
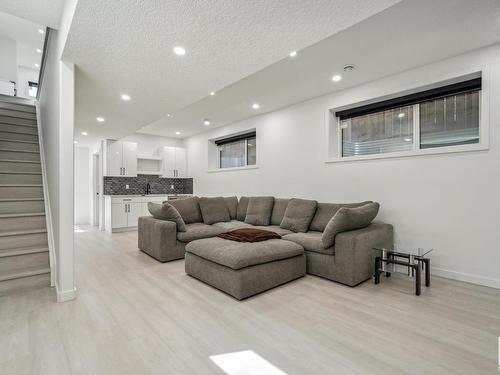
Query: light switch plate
point(127, 187)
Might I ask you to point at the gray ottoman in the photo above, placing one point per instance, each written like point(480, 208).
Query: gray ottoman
point(243, 269)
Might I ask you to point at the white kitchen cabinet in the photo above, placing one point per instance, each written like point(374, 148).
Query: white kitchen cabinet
point(174, 162)
point(121, 159)
point(134, 211)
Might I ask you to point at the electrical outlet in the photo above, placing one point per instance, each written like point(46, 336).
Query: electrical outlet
point(127, 187)
point(171, 187)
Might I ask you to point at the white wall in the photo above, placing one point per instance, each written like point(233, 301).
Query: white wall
point(447, 202)
point(8, 59)
point(25, 75)
point(83, 185)
point(149, 144)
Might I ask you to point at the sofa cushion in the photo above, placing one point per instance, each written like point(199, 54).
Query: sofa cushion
point(241, 210)
point(232, 206)
point(189, 209)
point(310, 241)
point(274, 228)
point(259, 210)
point(237, 255)
point(233, 224)
point(167, 212)
point(326, 211)
point(279, 210)
point(298, 214)
point(214, 210)
point(195, 231)
point(349, 219)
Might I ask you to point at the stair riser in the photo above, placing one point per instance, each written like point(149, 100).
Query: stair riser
point(12, 155)
point(18, 121)
point(20, 192)
point(25, 283)
point(18, 136)
point(21, 207)
point(18, 107)
point(21, 262)
point(6, 178)
point(17, 114)
point(20, 129)
point(7, 166)
point(10, 145)
point(11, 224)
point(23, 240)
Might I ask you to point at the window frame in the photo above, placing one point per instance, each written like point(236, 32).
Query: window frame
point(334, 131)
point(244, 136)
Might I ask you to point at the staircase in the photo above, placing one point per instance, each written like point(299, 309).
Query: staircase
point(24, 252)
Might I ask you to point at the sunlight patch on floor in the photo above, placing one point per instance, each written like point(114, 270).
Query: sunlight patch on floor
point(245, 363)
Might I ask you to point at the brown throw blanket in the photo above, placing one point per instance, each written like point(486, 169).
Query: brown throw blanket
point(249, 235)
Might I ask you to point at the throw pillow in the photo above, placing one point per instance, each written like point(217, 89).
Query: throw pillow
point(168, 212)
point(189, 208)
point(349, 219)
point(298, 215)
point(326, 211)
point(259, 210)
point(232, 205)
point(214, 210)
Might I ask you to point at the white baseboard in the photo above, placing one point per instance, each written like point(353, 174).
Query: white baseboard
point(65, 295)
point(467, 277)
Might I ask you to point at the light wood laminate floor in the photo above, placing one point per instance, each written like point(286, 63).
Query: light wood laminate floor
point(134, 315)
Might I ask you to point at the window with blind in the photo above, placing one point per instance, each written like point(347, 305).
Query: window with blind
point(237, 151)
point(442, 117)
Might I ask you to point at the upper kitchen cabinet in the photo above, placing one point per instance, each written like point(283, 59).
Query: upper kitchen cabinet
point(174, 163)
point(121, 159)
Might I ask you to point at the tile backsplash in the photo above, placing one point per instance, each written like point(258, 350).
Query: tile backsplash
point(137, 185)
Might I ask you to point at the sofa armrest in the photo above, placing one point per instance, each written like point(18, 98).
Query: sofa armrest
point(354, 254)
point(157, 238)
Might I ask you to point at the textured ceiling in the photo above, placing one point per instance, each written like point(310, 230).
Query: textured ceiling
point(28, 39)
point(405, 36)
point(126, 47)
point(45, 12)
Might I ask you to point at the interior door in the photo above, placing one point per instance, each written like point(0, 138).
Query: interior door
point(114, 159)
point(118, 215)
point(130, 158)
point(168, 161)
point(181, 162)
point(134, 211)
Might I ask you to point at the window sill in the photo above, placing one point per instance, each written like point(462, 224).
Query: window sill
point(434, 151)
point(233, 169)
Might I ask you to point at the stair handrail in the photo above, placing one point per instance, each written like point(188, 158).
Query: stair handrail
point(48, 31)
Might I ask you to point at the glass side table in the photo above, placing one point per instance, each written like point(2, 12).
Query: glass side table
point(415, 262)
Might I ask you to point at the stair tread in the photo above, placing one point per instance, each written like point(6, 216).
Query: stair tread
point(22, 232)
point(23, 250)
point(23, 125)
point(30, 271)
point(24, 214)
point(21, 185)
point(22, 151)
point(20, 161)
point(18, 172)
point(16, 132)
point(17, 140)
point(20, 199)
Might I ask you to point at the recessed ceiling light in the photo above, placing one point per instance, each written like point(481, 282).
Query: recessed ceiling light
point(212, 93)
point(177, 133)
point(293, 53)
point(408, 139)
point(100, 119)
point(39, 50)
point(125, 97)
point(75, 142)
point(41, 31)
point(336, 78)
point(206, 122)
point(401, 115)
point(85, 133)
point(180, 51)
point(37, 65)
point(255, 106)
point(168, 114)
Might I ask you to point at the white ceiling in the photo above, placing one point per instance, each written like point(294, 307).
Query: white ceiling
point(126, 47)
point(44, 12)
point(28, 39)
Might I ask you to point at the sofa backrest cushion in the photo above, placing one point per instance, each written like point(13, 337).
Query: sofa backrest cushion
point(167, 212)
point(232, 206)
point(326, 211)
point(214, 210)
point(189, 209)
point(259, 210)
point(278, 210)
point(349, 218)
point(298, 214)
point(241, 211)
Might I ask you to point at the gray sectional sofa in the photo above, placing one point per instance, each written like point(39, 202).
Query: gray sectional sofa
point(330, 240)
